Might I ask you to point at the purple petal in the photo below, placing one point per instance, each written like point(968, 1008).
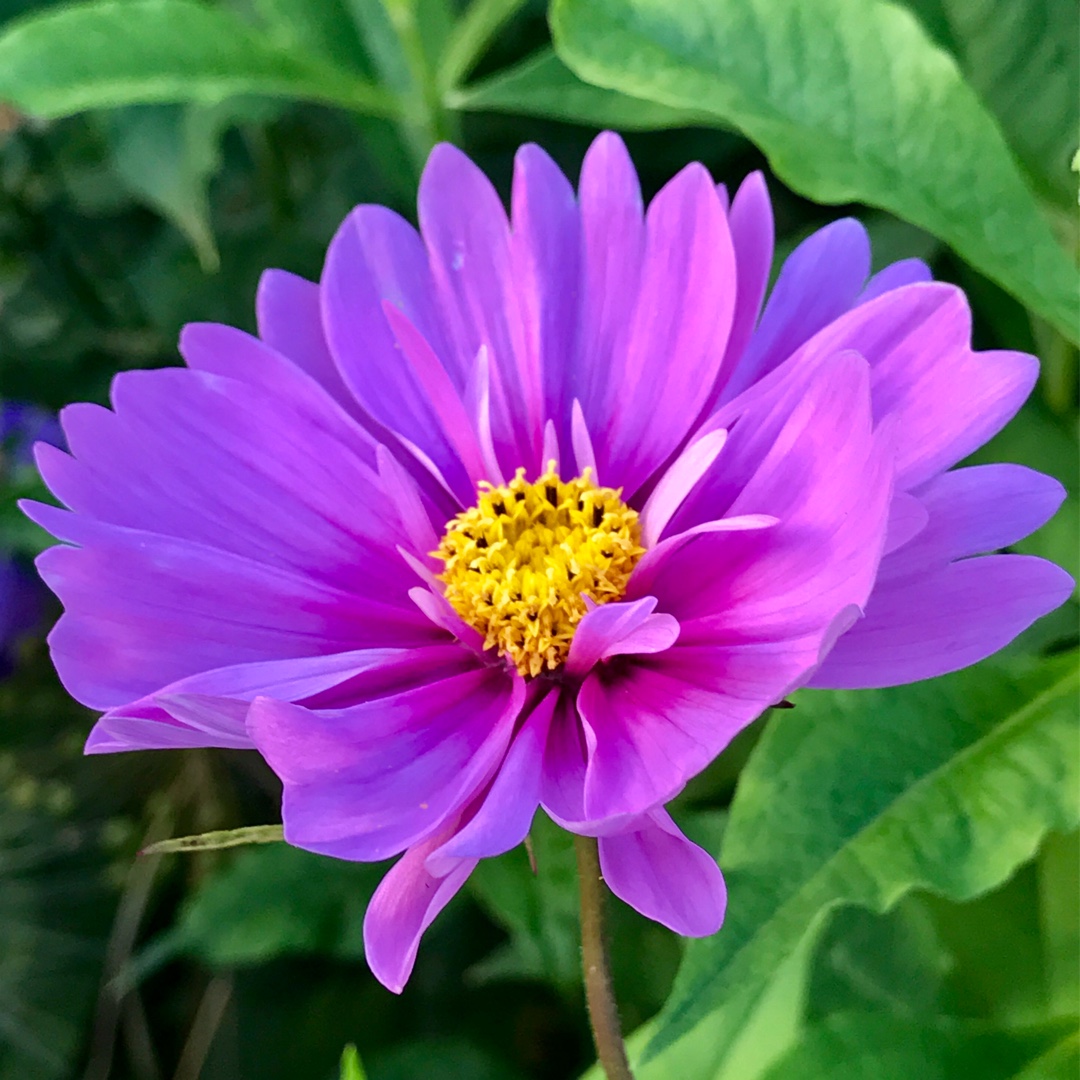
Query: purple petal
point(908, 517)
point(289, 315)
point(916, 628)
point(144, 611)
point(502, 819)
point(201, 457)
point(619, 629)
point(545, 254)
point(945, 399)
point(678, 480)
point(562, 788)
point(660, 873)
point(404, 906)
point(818, 282)
point(468, 242)
point(973, 511)
point(375, 258)
point(652, 726)
point(445, 401)
point(753, 237)
point(210, 708)
point(895, 276)
point(678, 332)
point(223, 350)
point(826, 477)
point(613, 239)
point(368, 781)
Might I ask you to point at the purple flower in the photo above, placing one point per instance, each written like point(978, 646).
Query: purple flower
point(499, 516)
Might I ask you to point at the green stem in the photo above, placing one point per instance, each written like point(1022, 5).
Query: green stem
point(603, 1013)
point(471, 37)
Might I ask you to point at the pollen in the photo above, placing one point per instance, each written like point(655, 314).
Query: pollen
point(521, 563)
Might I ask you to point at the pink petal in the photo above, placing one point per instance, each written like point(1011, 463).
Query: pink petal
point(652, 726)
point(753, 237)
point(613, 239)
point(468, 243)
point(660, 873)
point(678, 331)
point(818, 282)
point(945, 399)
point(545, 254)
point(919, 627)
point(290, 321)
point(503, 818)
point(367, 781)
point(895, 276)
point(404, 906)
point(619, 629)
point(678, 480)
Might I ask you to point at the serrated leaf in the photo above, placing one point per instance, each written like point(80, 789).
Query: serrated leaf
point(543, 85)
point(120, 52)
point(851, 102)
point(861, 797)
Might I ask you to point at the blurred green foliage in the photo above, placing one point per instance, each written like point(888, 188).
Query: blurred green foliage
point(904, 866)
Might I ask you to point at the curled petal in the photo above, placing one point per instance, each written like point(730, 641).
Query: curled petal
point(404, 906)
point(660, 873)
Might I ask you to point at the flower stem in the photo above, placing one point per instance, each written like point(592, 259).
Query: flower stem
point(603, 1014)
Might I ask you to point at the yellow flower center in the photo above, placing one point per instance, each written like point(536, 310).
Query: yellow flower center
point(520, 563)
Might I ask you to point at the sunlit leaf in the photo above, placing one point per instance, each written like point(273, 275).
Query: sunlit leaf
point(851, 102)
point(884, 1046)
point(111, 52)
point(861, 797)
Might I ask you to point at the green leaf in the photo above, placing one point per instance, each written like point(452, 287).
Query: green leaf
point(771, 1030)
point(166, 156)
point(1023, 58)
point(884, 1046)
point(1059, 915)
point(351, 1066)
point(1060, 1062)
point(860, 798)
point(216, 841)
point(850, 101)
point(544, 86)
point(540, 912)
point(317, 28)
point(276, 900)
point(120, 52)
point(893, 962)
point(470, 36)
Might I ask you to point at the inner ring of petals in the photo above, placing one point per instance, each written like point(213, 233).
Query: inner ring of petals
point(522, 561)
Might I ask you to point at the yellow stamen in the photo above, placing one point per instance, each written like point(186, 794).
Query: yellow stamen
point(520, 563)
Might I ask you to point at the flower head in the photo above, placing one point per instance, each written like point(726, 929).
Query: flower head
point(502, 515)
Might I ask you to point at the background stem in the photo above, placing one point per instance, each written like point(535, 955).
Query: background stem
point(603, 1014)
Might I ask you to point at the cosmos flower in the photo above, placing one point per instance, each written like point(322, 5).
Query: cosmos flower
point(539, 513)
